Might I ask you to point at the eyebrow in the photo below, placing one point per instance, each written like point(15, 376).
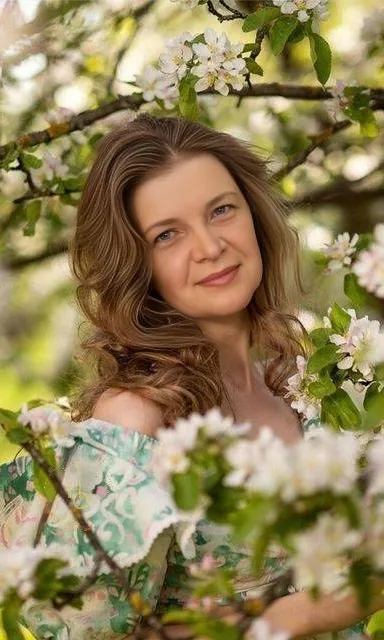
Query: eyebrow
point(209, 204)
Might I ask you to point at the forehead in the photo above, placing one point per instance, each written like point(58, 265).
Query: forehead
point(186, 186)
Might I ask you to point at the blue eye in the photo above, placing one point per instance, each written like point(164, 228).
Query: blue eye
point(163, 233)
point(223, 206)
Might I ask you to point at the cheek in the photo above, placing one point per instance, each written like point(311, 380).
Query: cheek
point(168, 274)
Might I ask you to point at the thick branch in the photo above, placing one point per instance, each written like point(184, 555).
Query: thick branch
point(134, 101)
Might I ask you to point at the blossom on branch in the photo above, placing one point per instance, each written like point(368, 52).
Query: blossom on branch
point(362, 345)
point(304, 9)
point(340, 252)
point(46, 420)
point(369, 266)
point(321, 553)
point(297, 388)
point(216, 63)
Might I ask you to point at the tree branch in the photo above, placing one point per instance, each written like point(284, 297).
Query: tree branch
point(134, 101)
point(317, 141)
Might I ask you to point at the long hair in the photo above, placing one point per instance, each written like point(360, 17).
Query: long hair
point(135, 340)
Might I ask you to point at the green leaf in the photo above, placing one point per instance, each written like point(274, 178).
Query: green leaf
point(320, 336)
point(260, 17)
point(216, 629)
point(8, 418)
point(181, 615)
point(186, 489)
point(188, 105)
point(252, 517)
point(373, 391)
point(253, 67)
point(376, 625)
point(322, 387)
point(9, 616)
point(40, 479)
point(75, 183)
point(297, 35)
point(321, 55)
point(323, 357)
point(32, 211)
point(29, 161)
point(280, 32)
point(368, 124)
point(18, 435)
point(339, 318)
point(357, 294)
point(339, 411)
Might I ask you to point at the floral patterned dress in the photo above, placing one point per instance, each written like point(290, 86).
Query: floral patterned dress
point(107, 473)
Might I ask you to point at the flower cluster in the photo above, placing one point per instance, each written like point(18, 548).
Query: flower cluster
point(304, 9)
point(340, 252)
point(51, 167)
point(321, 554)
point(17, 568)
point(325, 462)
point(362, 344)
point(369, 266)
point(298, 389)
point(171, 456)
point(308, 497)
point(48, 421)
point(215, 62)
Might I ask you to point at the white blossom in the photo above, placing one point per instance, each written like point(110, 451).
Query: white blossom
point(176, 57)
point(17, 568)
point(319, 558)
point(260, 629)
point(304, 9)
point(340, 251)
point(360, 345)
point(218, 64)
point(259, 465)
point(369, 266)
point(340, 99)
point(13, 184)
point(297, 388)
point(46, 420)
point(326, 461)
point(156, 84)
point(50, 168)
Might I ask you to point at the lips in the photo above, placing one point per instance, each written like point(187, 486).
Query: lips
point(219, 274)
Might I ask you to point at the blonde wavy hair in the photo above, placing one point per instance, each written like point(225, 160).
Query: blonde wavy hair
point(133, 336)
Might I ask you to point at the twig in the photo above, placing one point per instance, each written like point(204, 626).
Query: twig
point(235, 12)
point(77, 513)
point(318, 141)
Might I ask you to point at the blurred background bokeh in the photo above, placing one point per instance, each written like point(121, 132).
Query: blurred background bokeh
point(74, 55)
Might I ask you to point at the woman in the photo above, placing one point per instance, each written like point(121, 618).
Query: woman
point(168, 204)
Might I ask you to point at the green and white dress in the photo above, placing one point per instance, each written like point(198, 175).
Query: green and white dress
point(108, 475)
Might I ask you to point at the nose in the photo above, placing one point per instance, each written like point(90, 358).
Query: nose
point(207, 244)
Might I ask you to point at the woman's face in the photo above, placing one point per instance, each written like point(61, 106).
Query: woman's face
point(192, 237)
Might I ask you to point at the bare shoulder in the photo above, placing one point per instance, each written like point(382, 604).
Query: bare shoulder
point(130, 410)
